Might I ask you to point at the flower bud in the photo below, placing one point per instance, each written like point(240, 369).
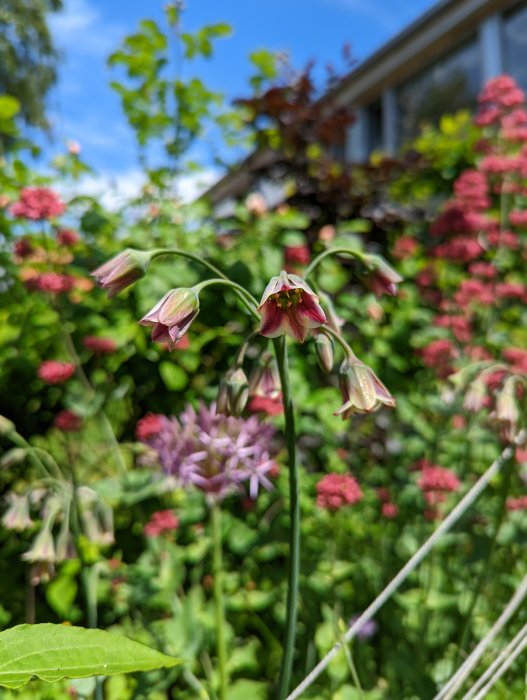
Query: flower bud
point(171, 317)
point(237, 391)
point(222, 402)
point(324, 348)
point(362, 391)
point(17, 516)
point(381, 277)
point(6, 426)
point(507, 413)
point(122, 270)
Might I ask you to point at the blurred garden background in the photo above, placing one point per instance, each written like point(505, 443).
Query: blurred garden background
point(175, 445)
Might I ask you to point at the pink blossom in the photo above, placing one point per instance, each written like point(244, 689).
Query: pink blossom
point(517, 357)
point(404, 247)
point(337, 490)
point(471, 190)
point(435, 478)
point(52, 282)
point(504, 239)
point(461, 249)
point(483, 269)
point(67, 421)
point(475, 291)
point(390, 510)
point(297, 255)
point(160, 522)
point(499, 165)
point(172, 316)
point(459, 325)
point(23, 248)
point(510, 290)
point(67, 237)
point(103, 346)
point(289, 306)
point(149, 426)
point(37, 203)
point(54, 372)
point(518, 218)
point(519, 503)
point(439, 354)
point(271, 406)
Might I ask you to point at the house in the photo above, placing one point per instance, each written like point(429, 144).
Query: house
point(436, 65)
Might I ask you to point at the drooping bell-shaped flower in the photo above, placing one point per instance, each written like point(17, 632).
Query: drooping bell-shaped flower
point(381, 277)
point(122, 270)
point(362, 391)
point(172, 316)
point(289, 306)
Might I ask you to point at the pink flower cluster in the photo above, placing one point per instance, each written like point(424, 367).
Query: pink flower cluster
point(440, 355)
point(149, 426)
point(337, 490)
point(496, 100)
point(54, 372)
point(51, 282)
point(389, 509)
point(435, 482)
point(162, 521)
point(68, 422)
point(519, 503)
point(67, 237)
point(37, 203)
point(103, 346)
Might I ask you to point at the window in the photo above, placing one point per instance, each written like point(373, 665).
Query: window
point(450, 84)
point(515, 45)
point(374, 128)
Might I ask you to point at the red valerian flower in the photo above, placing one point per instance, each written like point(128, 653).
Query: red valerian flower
point(67, 237)
point(122, 270)
point(149, 426)
point(23, 248)
point(362, 391)
point(37, 203)
point(53, 372)
point(289, 306)
point(337, 490)
point(162, 521)
point(171, 317)
point(103, 346)
point(67, 421)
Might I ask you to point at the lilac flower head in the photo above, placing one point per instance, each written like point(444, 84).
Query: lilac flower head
point(214, 452)
point(367, 629)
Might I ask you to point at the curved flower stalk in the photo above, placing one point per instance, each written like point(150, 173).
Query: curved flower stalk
point(216, 450)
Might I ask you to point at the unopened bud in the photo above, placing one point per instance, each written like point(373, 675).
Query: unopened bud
point(222, 402)
point(6, 426)
point(324, 348)
point(237, 391)
point(507, 413)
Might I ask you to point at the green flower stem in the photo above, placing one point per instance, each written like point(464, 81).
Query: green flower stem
point(280, 349)
point(219, 605)
point(106, 425)
point(478, 588)
point(250, 301)
point(34, 458)
point(336, 336)
point(241, 292)
point(332, 251)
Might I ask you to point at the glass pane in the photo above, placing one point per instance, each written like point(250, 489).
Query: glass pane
point(450, 84)
point(515, 46)
point(374, 117)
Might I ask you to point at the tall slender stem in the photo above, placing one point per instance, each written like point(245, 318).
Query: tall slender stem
point(294, 529)
point(219, 606)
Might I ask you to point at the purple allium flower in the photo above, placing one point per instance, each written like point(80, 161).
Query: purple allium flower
point(367, 630)
point(214, 452)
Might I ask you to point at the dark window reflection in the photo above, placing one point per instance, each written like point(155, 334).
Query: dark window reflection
point(374, 117)
point(450, 84)
point(515, 45)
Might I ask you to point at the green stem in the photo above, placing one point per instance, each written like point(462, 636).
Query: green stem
point(250, 305)
point(249, 300)
point(219, 606)
point(333, 251)
point(106, 425)
point(280, 349)
point(485, 570)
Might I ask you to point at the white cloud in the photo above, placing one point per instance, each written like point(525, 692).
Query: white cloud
point(113, 191)
point(79, 28)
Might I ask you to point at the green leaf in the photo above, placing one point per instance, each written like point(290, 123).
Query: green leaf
point(265, 61)
point(174, 377)
point(52, 652)
point(9, 106)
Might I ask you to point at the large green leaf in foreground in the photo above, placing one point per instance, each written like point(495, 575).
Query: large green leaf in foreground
point(52, 652)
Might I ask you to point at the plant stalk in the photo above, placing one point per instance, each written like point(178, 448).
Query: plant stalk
point(219, 604)
point(294, 530)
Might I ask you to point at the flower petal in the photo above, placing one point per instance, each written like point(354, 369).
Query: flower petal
point(272, 320)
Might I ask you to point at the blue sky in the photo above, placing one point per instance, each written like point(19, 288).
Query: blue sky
point(83, 106)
